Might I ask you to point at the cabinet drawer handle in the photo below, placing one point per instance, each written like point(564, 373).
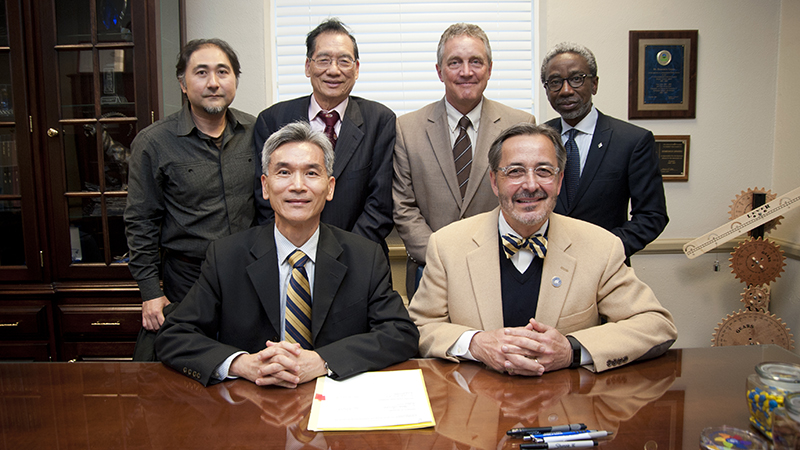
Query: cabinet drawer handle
point(106, 324)
point(12, 324)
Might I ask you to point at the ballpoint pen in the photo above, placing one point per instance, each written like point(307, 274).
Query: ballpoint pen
point(569, 437)
point(570, 427)
point(557, 433)
point(558, 445)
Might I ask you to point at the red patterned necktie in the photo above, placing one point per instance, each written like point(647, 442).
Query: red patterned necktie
point(330, 119)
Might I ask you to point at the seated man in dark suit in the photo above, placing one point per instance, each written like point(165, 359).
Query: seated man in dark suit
point(284, 303)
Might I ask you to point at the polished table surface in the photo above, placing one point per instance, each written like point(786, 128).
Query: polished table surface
point(661, 404)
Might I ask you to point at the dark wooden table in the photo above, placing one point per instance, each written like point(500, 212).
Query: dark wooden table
point(661, 404)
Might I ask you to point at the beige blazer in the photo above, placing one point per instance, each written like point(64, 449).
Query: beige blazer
point(584, 279)
point(425, 189)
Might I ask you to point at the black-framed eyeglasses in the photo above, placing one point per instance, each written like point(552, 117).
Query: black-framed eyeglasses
point(575, 81)
point(343, 62)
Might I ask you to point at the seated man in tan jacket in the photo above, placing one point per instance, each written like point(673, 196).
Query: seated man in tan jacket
point(527, 291)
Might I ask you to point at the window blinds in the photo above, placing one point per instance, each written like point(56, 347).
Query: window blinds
point(397, 47)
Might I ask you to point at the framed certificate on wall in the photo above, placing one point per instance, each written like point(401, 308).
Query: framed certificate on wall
point(662, 74)
point(673, 157)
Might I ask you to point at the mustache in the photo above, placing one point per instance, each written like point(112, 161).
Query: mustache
point(538, 194)
point(572, 99)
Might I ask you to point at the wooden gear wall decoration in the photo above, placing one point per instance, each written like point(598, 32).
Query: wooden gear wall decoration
point(756, 262)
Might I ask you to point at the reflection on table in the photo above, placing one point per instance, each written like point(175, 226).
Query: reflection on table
point(655, 405)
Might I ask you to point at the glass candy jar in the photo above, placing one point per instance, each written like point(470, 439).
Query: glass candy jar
point(766, 390)
point(786, 424)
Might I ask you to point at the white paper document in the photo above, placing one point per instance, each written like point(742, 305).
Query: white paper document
point(371, 401)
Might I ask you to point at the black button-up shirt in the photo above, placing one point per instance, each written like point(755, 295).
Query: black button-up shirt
point(184, 192)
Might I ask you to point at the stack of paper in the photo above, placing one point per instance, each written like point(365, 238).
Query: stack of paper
point(388, 400)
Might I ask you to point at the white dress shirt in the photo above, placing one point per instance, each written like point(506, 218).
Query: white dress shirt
point(453, 116)
point(317, 124)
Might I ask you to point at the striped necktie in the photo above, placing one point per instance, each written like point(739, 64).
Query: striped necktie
point(298, 302)
point(462, 155)
point(512, 244)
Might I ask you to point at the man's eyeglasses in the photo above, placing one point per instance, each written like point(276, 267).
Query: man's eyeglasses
point(575, 81)
point(517, 173)
point(343, 62)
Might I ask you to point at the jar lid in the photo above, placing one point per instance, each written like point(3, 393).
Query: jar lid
point(730, 438)
point(780, 372)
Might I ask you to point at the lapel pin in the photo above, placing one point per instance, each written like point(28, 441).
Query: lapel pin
point(556, 282)
point(600, 145)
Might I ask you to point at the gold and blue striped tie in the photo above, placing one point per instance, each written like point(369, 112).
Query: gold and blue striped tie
point(512, 244)
point(298, 302)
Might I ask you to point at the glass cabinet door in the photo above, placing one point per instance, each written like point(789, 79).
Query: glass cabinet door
point(20, 259)
point(95, 67)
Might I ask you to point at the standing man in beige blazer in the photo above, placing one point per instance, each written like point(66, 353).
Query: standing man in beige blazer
point(428, 191)
point(555, 294)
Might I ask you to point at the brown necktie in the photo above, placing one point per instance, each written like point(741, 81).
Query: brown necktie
point(462, 155)
point(330, 119)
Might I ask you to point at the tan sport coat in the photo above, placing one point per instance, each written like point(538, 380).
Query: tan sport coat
point(584, 280)
point(425, 188)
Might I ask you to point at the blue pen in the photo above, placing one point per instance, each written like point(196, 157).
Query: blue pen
point(557, 428)
point(556, 433)
point(587, 434)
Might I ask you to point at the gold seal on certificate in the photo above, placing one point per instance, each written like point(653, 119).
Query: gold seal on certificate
point(664, 57)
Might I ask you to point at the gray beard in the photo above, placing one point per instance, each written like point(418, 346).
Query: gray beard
point(578, 112)
point(214, 110)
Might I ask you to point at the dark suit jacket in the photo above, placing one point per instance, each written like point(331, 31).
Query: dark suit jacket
point(358, 322)
point(362, 202)
point(622, 165)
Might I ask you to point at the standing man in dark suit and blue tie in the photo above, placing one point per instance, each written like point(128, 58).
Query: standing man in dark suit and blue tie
point(362, 132)
point(609, 162)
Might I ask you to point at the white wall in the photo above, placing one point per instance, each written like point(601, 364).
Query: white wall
point(243, 26)
point(787, 160)
point(743, 137)
point(733, 138)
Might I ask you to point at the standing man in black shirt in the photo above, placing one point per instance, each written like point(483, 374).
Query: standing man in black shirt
point(190, 179)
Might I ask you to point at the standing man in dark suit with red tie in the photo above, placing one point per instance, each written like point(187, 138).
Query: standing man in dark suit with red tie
point(362, 131)
point(618, 161)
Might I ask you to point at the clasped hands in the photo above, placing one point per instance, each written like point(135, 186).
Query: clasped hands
point(280, 364)
point(531, 350)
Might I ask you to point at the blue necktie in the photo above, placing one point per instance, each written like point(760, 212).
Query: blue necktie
point(572, 174)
